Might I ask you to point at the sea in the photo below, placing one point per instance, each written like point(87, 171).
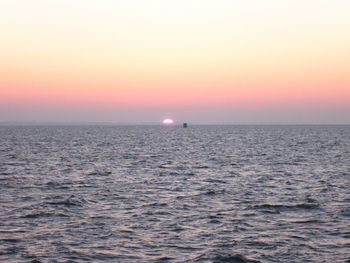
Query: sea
point(152, 193)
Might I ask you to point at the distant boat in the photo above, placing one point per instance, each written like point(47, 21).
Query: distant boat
point(185, 125)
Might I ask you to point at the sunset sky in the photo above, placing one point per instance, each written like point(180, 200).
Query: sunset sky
point(199, 61)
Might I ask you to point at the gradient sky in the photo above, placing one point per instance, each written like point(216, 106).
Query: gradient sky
point(200, 61)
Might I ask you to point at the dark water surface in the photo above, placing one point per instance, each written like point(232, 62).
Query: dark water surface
point(168, 194)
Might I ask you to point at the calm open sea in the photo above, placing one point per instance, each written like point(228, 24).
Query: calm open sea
point(169, 194)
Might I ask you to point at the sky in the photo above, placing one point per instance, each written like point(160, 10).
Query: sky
point(196, 61)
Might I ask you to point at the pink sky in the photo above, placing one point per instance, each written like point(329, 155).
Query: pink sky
point(199, 61)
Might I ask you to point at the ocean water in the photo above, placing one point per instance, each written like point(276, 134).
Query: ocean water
point(168, 194)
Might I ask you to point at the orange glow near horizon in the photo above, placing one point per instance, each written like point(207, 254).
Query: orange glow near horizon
point(162, 54)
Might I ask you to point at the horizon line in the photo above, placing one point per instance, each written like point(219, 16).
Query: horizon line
point(106, 123)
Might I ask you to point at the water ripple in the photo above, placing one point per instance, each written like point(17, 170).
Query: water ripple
point(165, 194)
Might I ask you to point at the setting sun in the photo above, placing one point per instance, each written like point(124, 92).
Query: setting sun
point(168, 121)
